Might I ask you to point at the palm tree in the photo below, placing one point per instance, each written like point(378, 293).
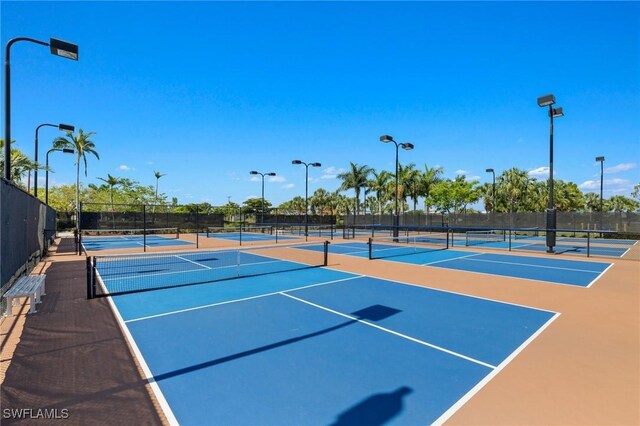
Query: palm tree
point(112, 181)
point(20, 163)
point(410, 182)
point(83, 145)
point(158, 175)
point(319, 200)
point(407, 177)
point(428, 180)
point(355, 179)
point(379, 184)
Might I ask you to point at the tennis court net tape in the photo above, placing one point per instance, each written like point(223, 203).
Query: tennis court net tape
point(385, 247)
point(121, 274)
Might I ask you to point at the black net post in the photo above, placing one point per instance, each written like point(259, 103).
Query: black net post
point(241, 224)
point(197, 227)
point(89, 263)
point(588, 243)
point(326, 253)
point(144, 227)
point(370, 243)
point(510, 232)
point(78, 229)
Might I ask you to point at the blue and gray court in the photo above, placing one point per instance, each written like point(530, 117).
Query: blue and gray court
point(311, 345)
point(551, 270)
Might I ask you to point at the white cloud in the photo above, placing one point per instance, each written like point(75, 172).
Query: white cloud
point(589, 184)
point(331, 172)
point(472, 178)
point(288, 186)
point(461, 172)
point(150, 163)
point(615, 185)
point(622, 167)
point(539, 172)
point(124, 168)
point(258, 178)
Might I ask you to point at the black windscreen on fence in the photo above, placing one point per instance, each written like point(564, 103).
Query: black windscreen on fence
point(139, 216)
point(27, 227)
point(608, 221)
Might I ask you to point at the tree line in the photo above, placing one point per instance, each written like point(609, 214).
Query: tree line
point(423, 189)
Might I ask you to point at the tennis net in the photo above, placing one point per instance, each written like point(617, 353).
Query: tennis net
point(385, 247)
point(524, 233)
point(213, 231)
point(121, 274)
point(473, 238)
point(98, 234)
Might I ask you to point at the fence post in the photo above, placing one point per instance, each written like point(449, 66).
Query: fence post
point(144, 227)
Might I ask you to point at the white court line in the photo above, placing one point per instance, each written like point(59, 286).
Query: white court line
point(148, 375)
point(195, 263)
point(241, 300)
point(534, 266)
point(453, 258)
point(601, 274)
point(455, 407)
point(395, 333)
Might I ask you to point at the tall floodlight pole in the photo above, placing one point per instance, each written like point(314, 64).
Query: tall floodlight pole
point(601, 160)
point(253, 172)
point(306, 194)
point(406, 146)
point(58, 48)
point(548, 101)
point(46, 173)
point(62, 127)
point(493, 192)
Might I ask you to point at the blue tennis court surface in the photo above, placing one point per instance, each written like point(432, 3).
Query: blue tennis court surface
point(125, 242)
point(318, 346)
point(248, 236)
point(564, 246)
point(553, 270)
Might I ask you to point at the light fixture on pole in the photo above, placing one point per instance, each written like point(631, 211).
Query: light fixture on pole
point(493, 193)
point(406, 146)
point(601, 160)
point(61, 127)
point(46, 173)
point(58, 48)
point(549, 101)
point(253, 172)
point(306, 193)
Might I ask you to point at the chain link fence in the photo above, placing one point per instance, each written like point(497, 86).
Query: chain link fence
point(626, 222)
point(27, 229)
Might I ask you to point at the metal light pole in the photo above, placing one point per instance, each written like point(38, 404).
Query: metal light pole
point(493, 193)
point(62, 127)
point(543, 101)
point(46, 173)
point(407, 146)
point(253, 172)
point(306, 194)
point(601, 160)
point(58, 48)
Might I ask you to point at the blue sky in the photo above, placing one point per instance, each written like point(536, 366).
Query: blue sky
point(207, 91)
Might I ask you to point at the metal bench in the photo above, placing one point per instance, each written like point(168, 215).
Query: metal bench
point(31, 286)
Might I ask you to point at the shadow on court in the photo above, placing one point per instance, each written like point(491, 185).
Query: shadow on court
point(376, 410)
point(371, 313)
